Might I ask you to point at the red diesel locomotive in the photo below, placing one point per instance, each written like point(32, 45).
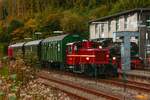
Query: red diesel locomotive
point(90, 58)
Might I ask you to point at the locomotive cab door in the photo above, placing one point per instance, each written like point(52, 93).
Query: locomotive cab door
point(71, 55)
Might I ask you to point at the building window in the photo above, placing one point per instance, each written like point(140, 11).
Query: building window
point(109, 26)
point(96, 28)
point(117, 24)
point(125, 22)
point(148, 21)
point(102, 27)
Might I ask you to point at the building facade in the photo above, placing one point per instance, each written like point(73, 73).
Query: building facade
point(137, 20)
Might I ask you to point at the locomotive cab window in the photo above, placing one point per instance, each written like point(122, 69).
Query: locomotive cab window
point(75, 48)
point(69, 49)
point(94, 45)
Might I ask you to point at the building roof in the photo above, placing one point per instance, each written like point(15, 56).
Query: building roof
point(55, 38)
point(36, 42)
point(120, 13)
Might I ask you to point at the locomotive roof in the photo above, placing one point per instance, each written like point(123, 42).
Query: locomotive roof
point(17, 45)
point(70, 43)
point(55, 38)
point(36, 42)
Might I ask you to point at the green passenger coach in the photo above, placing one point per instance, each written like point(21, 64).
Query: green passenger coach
point(54, 49)
point(32, 51)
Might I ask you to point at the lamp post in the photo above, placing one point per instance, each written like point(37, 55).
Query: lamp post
point(37, 34)
point(28, 39)
point(57, 32)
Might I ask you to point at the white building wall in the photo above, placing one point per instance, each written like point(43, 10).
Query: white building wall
point(106, 35)
point(92, 31)
point(121, 23)
point(132, 25)
point(132, 22)
point(98, 31)
point(113, 28)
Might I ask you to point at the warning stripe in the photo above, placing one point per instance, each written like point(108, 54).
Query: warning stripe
point(81, 55)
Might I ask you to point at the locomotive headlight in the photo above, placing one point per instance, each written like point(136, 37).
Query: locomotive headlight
point(100, 47)
point(107, 56)
point(114, 58)
point(87, 58)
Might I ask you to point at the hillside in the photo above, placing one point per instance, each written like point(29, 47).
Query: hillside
point(20, 19)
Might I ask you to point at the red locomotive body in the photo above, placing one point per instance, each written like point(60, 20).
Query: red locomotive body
point(86, 56)
point(115, 50)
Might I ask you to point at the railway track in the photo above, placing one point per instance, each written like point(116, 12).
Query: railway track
point(78, 87)
point(137, 74)
point(139, 86)
point(48, 83)
point(129, 84)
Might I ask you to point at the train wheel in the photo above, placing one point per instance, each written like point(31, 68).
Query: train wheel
point(109, 70)
point(90, 70)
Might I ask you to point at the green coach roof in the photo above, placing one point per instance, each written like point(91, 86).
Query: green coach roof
point(36, 42)
point(55, 38)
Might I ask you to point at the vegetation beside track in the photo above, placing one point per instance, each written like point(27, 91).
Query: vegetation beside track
point(18, 82)
point(13, 75)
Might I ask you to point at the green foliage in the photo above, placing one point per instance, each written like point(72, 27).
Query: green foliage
point(3, 49)
point(122, 5)
point(1, 95)
point(95, 12)
point(12, 98)
point(4, 71)
point(4, 37)
point(14, 25)
point(73, 23)
point(6, 34)
point(52, 23)
point(13, 76)
point(47, 16)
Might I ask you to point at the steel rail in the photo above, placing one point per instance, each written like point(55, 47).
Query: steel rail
point(79, 87)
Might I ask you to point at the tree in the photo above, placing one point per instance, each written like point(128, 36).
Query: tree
point(14, 24)
point(30, 27)
point(99, 12)
point(128, 4)
point(73, 23)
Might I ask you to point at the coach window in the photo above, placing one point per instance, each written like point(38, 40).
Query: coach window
point(58, 47)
